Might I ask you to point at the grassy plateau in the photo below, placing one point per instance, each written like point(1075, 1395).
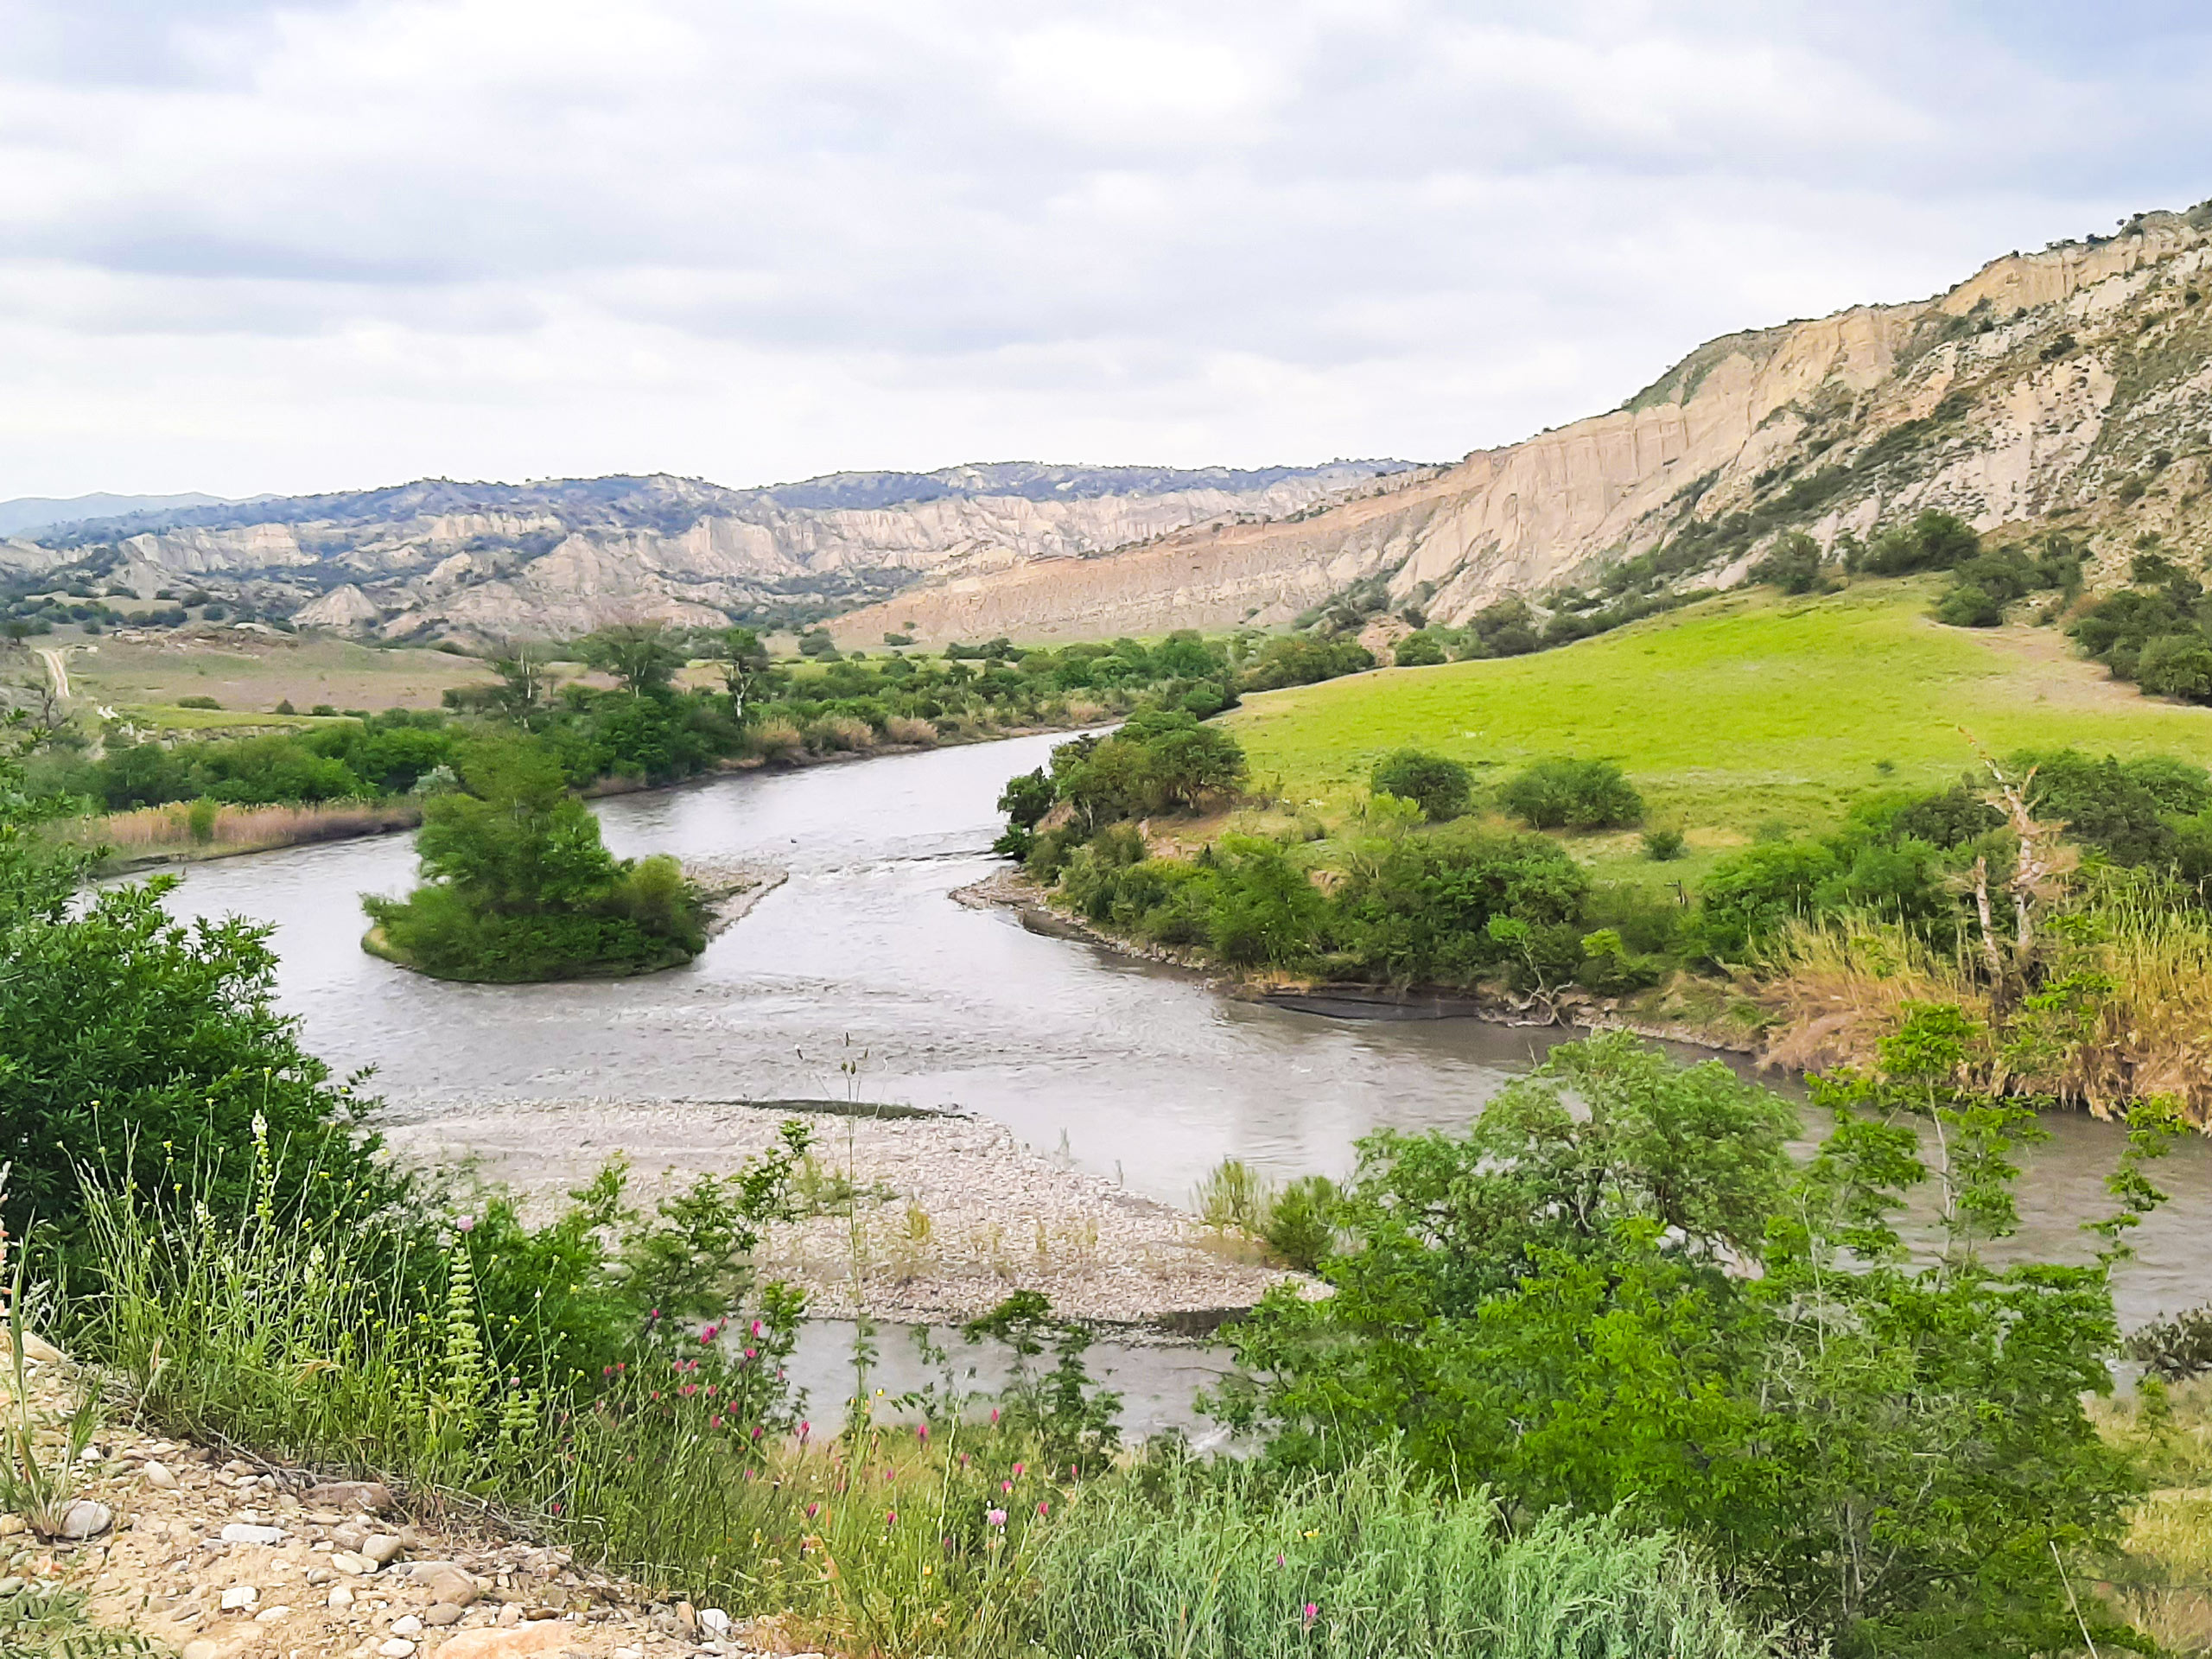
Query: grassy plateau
point(1746, 711)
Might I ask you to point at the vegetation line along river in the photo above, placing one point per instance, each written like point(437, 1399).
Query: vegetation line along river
point(1138, 1075)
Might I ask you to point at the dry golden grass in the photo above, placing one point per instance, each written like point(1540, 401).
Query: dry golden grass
point(203, 829)
point(902, 728)
point(1838, 985)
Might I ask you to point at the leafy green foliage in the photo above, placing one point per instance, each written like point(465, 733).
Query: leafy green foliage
point(1303, 659)
point(1440, 787)
point(129, 1034)
point(1887, 1452)
point(519, 886)
point(1793, 563)
point(1420, 649)
point(1566, 794)
point(1421, 909)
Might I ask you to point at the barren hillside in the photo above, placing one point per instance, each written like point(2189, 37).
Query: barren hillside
point(2073, 384)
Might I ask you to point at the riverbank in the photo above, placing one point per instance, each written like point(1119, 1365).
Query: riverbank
point(1725, 1026)
point(185, 832)
point(927, 1218)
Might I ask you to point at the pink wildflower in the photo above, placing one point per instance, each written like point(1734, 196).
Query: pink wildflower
point(1312, 1611)
point(994, 1517)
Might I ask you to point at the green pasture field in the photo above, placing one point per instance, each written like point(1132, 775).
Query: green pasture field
point(1743, 713)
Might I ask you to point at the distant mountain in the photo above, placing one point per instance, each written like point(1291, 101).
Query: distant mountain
point(2069, 389)
point(27, 514)
point(437, 558)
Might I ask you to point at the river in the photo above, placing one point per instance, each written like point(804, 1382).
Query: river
point(1132, 1070)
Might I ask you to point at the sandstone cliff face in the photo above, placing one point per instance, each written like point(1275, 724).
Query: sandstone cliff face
point(2036, 388)
point(500, 561)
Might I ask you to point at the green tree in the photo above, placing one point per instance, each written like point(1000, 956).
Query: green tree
point(642, 656)
point(518, 885)
point(742, 661)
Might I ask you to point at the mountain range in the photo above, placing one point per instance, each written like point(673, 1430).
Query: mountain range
point(486, 562)
point(2066, 388)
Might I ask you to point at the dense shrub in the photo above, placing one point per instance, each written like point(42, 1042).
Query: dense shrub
point(1420, 649)
point(518, 885)
point(1439, 786)
point(131, 1037)
point(1567, 794)
point(1933, 541)
point(1615, 1295)
point(1422, 909)
point(1793, 563)
point(1302, 659)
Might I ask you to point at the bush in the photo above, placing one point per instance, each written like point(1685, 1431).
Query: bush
point(1440, 787)
point(1567, 794)
point(1967, 606)
point(129, 1033)
point(2177, 666)
point(1662, 845)
point(1933, 541)
point(198, 702)
point(1421, 910)
point(1793, 563)
point(1301, 1222)
point(1419, 650)
point(1617, 1293)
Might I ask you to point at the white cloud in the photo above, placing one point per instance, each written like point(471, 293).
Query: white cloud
point(291, 245)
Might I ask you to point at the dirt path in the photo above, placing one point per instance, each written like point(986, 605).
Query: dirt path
point(56, 659)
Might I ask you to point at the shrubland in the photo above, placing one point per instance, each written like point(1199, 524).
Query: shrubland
point(1594, 1378)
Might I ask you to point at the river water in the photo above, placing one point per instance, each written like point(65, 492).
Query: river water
point(1131, 1070)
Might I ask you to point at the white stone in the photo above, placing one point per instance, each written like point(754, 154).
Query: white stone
point(203, 1649)
point(158, 1477)
point(345, 1561)
point(240, 1532)
point(382, 1549)
point(410, 1625)
point(397, 1647)
point(270, 1615)
point(716, 1620)
point(87, 1519)
point(341, 1597)
point(240, 1596)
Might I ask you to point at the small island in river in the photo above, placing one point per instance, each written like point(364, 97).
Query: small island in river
point(518, 887)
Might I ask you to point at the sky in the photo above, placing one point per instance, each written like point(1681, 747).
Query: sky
point(250, 247)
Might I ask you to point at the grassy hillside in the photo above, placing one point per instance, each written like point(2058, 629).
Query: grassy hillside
point(1747, 710)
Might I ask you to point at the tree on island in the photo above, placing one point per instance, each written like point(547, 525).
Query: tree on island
point(518, 886)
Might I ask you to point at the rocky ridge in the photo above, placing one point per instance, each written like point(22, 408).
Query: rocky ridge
point(2071, 387)
point(491, 562)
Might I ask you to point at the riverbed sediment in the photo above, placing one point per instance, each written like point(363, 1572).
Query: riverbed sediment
point(931, 1217)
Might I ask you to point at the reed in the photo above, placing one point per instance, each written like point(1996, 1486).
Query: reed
point(206, 828)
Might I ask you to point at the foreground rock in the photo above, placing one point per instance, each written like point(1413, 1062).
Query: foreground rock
point(221, 1558)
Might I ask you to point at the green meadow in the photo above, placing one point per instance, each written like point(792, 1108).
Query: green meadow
point(1747, 711)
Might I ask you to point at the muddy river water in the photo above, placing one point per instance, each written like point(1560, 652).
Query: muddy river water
point(1130, 1070)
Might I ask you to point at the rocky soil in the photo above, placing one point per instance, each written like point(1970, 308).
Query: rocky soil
point(220, 1557)
point(944, 1215)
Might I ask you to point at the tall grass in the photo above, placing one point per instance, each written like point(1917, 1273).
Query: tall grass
point(210, 826)
point(1220, 1564)
point(1839, 984)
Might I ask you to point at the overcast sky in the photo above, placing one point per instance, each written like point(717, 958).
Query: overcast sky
point(250, 247)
